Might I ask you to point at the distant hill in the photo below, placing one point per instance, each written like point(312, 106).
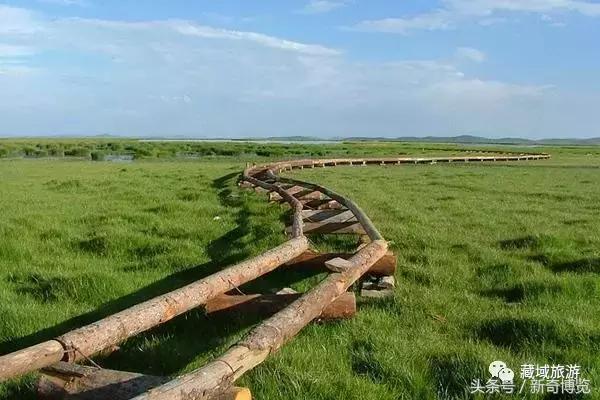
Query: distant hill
point(469, 139)
point(462, 139)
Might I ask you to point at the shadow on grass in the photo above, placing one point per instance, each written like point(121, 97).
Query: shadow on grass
point(170, 347)
point(453, 374)
point(515, 294)
point(517, 334)
point(415, 276)
point(582, 266)
point(343, 243)
point(522, 333)
point(365, 363)
point(579, 266)
point(521, 292)
point(520, 243)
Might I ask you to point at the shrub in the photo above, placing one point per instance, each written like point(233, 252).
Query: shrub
point(56, 152)
point(78, 152)
point(29, 151)
point(116, 146)
point(98, 155)
point(142, 152)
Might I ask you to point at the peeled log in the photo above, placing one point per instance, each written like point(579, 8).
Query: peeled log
point(298, 192)
point(335, 228)
point(65, 381)
point(325, 204)
point(343, 307)
point(30, 359)
point(311, 259)
point(112, 330)
point(72, 381)
point(268, 336)
point(116, 328)
point(329, 216)
point(235, 393)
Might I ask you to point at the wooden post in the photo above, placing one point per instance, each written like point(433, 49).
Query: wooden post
point(268, 336)
point(110, 331)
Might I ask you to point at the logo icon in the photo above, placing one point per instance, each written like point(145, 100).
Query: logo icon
point(498, 369)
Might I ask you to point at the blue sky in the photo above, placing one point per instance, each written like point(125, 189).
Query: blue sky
point(223, 68)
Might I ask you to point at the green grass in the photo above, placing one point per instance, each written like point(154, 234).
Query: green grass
point(495, 262)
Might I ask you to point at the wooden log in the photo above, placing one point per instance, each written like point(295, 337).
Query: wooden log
point(30, 359)
point(305, 194)
point(110, 331)
point(360, 215)
point(116, 328)
point(338, 265)
point(72, 381)
point(268, 336)
point(328, 216)
point(342, 308)
point(324, 204)
point(274, 196)
point(311, 259)
point(235, 393)
point(64, 381)
point(334, 228)
point(310, 194)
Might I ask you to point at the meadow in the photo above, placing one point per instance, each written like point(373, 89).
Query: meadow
point(495, 261)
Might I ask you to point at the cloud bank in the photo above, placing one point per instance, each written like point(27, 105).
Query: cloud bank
point(171, 77)
point(454, 12)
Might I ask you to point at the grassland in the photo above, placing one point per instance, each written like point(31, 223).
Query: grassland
point(495, 262)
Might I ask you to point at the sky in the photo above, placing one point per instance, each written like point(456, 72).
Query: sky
point(321, 68)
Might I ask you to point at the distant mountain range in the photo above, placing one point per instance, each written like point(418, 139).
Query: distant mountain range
point(469, 139)
point(462, 139)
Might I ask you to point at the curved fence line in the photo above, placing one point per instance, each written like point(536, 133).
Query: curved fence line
point(341, 215)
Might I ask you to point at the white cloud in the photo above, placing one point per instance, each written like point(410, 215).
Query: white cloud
point(470, 54)
point(269, 41)
point(12, 51)
point(182, 78)
point(17, 21)
point(487, 7)
point(322, 6)
point(454, 12)
point(437, 20)
point(80, 3)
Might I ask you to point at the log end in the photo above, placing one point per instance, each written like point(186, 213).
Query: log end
point(236, 393)
point(30, 359)
point(338, 265)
